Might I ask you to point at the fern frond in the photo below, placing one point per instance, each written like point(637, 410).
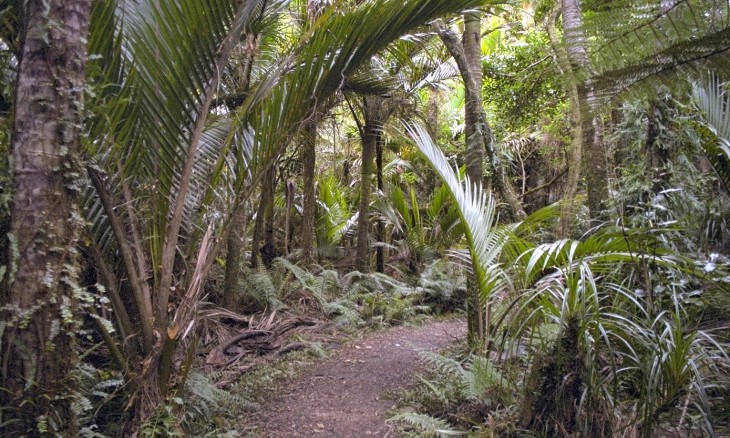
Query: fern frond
point(483, 377)
point(428, 425)
point(442, 364)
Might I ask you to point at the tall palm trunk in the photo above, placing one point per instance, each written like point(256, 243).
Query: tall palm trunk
point(575, 153)
point(477, 134)
point(234, 248)
point(476, 129)
point(237, 234)
point(265, 207)
point(380, 231)
point(38, 356)
point(308, 164)
point(594, 159)
point(372, 132)
point(467, 54)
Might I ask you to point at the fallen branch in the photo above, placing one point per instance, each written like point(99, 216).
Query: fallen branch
point(217, 355)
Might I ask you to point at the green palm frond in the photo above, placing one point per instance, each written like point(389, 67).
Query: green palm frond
point(296, 87)
point(604, 251)
point(333, 218)
point(645, 43)
point(712, 97)
point(157, 62)
point(477, 212)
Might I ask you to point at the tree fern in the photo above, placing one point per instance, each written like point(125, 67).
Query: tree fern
point(648, 42)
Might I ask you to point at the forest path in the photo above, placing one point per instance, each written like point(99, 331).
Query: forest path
point(345, 396)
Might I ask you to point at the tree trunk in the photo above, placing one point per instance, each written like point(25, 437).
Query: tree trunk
point(594, 159)
point(237, 234)
point(380, 232)
point(269, 251)
point(38, 356)
point(234, 246)
point(478, 132)
point(310, 200)
point(267, 196)
point(575, 152)
point(372, 132)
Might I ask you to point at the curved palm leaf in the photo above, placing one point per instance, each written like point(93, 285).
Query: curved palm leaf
point(714, 100)
point(477, 212)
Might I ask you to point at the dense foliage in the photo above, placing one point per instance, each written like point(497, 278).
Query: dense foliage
point(238, 158)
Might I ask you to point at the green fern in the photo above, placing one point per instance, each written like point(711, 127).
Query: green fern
point(259, 285)
point(442, 364)
point(475, 380)
point(428, 425)
point(206, 407)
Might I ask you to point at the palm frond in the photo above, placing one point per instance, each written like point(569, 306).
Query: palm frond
point(477, 212)
point(712, 97)
point(294, 88)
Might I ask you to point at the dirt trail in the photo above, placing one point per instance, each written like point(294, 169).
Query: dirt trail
point(343, 397)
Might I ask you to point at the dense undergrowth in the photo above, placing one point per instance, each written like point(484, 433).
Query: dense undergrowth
point(321, 309)
point(621, 330)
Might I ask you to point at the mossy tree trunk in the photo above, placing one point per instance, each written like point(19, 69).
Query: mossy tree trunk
point(38, 356)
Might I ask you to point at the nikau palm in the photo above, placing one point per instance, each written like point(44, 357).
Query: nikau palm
point(477, 213)
point(169, 175)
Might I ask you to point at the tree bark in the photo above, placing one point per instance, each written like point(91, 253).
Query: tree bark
point(234, 244)
point(478, 132)
point(237, 234)
point(269, 252)
point(310, 201)
point(380, 230)
point(267, 197)
point(372, 131)
point(575, 152)
point(38, 356)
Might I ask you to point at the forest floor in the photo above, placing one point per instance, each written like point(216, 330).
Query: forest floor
point(347, 395)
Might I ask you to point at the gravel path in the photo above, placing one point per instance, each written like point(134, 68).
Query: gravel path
point(343, 397)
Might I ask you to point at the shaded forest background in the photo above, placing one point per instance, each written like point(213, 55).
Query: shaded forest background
point(188, 186)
